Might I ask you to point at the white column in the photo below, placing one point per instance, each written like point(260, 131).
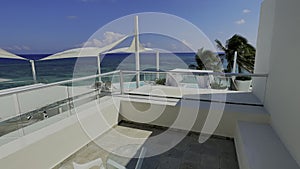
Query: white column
point(137, 52)
point(98, 64)
point(121, 82)
point(33, 70)
point(234, 68)
point(234, 63)
point(157, 64)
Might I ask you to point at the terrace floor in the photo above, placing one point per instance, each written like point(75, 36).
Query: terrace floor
point(215, 153)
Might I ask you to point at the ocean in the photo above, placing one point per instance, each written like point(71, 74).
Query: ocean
point(14, 73)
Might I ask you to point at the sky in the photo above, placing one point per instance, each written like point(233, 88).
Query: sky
point(50, 26)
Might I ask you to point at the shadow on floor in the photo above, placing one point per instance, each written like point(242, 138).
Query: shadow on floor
point(215, 153)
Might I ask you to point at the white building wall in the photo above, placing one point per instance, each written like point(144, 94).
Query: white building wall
point(281, 46)
point(52, 144)
point(162, 115)
point(263, 47)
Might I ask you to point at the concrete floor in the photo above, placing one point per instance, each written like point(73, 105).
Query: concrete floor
point(215, 153)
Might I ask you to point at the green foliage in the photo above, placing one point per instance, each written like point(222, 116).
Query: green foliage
point(246, 52)
point(243, 78)
point(160, 81)
point(192, 66)
point(98, 85)
point(208, 60)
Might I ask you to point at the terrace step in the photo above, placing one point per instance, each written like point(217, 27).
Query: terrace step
point(166, 112)
point(259, 147)
point(149, 99)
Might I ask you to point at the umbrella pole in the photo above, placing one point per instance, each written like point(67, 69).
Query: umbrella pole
point(157, 64)
point(98, 64)
point(234, 63)
point(137, 54)
point(33, 71)
point(234, 70)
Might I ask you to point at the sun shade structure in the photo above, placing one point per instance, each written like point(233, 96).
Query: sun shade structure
point(136, 48)
point(7, 55)
point(85, 52)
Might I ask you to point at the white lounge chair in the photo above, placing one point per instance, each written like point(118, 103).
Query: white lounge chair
point(138, 164)
point(98, 162)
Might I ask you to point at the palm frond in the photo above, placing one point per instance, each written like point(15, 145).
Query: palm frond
point(246, 52)
point(220, 45)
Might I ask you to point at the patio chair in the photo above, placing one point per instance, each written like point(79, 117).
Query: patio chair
point(138, 164)
point(98, 162)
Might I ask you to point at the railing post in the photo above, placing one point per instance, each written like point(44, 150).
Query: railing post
point(121, 82)
point(99, 68)
point(18, 112)
point(69, 104)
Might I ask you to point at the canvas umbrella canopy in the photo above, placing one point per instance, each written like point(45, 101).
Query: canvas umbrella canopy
point(7, 55)
point(85, 52)
point(136, 47)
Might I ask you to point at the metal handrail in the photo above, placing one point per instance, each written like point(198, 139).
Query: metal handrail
point(35, 87)
point(200, 73)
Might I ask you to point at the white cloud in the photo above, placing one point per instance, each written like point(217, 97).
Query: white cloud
point(174, 46)
point(147, 45)
point(246, 11)
point(26, 47)
point(108, 38)
point(17, 48)
point(240, 22)
point(71, 17)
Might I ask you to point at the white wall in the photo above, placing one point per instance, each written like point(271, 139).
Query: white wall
point(263, 47)
point(226, 127)
point(30, 100)
point(8, 107)
point(282, 48)
point(49, 146)
point(35, 99)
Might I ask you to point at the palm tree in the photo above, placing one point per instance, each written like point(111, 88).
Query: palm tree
point(246, 53)
point(207, 59)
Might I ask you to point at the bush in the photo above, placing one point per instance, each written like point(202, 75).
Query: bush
point(160, 81)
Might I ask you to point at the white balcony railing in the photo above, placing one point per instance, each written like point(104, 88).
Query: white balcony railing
point(30, 108)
